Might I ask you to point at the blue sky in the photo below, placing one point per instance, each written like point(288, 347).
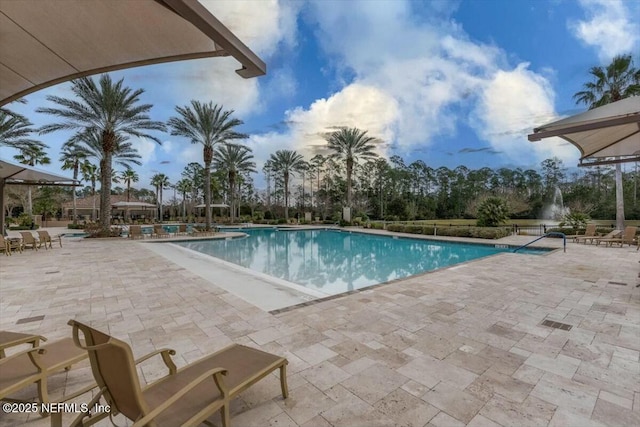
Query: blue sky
point(448, 82)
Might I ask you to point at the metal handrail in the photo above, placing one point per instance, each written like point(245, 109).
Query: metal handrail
point(551, 233)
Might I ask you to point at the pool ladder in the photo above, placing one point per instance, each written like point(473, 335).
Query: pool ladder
point(551, 233)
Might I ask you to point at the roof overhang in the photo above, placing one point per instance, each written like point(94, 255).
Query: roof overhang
point(604, 135)
point(47, 42)
point(18, 174)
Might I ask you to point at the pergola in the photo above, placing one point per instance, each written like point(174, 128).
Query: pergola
point(46, 42)
point(604, 135)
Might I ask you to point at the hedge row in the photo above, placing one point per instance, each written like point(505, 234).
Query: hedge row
point(475, 232)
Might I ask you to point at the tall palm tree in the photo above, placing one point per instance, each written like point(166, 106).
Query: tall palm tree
point(618, 80)
point(351, 144)
point(15, 130)
point(109, 110)
point(184, 186)
point(286, 162)
point(128, 176)
point(209, 125)
point(91, 173)
point(160, 181)
point(32, 155)
point(71, 156)
point(235, 160)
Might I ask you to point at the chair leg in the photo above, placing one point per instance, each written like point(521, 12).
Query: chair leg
point(43, 394)
point(224, 414)
point(283, 381)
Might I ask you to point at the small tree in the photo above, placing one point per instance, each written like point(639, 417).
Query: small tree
point(493, 212)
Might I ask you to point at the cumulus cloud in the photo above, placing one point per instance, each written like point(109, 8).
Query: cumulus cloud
point(412, 80)
point(608, 27)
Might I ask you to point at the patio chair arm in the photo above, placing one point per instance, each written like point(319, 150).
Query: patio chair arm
point(166, 358)
point(216, 373)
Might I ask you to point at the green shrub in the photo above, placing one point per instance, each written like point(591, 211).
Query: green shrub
point(344, 223)
point(575, 220)
point(75, 226)
point(492, 212)
point(281, 221)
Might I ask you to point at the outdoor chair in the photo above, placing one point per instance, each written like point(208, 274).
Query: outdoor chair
point(182, 230)
point(184, 397)
point(45, 238)
point(160, 232)
point(628, 237)
point(10, 339)
point(35, 365)
point(609, 235)
point(135, 232)
point(590, 231)
point(29, 240)
point(7, 244)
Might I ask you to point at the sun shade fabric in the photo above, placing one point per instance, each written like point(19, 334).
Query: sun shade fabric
point(609, 131)
point(13, 173)
point(133, 205)
point(46, 42)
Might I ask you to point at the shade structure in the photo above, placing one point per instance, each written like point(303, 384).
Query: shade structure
point(607, 134)
point(132, 205)
point(18, 174)
point(46, 42)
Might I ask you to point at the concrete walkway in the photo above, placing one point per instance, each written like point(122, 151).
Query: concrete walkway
point(460, 346)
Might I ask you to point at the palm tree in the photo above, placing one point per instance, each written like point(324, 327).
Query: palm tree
point(32, 155)
point(209, 125)
point(184, 186)
point(128, 176)
point(71, 156)
point(160, 181)
point(90, 173)
point(15, 130)
point(616, 81)
point(109, 111)
point(236, 160)
point(350, 144)
point(287, 162)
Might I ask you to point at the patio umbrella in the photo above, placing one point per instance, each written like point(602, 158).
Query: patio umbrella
point(604, 135)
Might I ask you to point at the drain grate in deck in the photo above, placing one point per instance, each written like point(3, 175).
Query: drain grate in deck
point(51, 272)
point(30, 319)
point(617, 283)
point(557, 325)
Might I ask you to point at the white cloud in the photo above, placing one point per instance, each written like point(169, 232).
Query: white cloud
point(146, 148)
point(608, 27)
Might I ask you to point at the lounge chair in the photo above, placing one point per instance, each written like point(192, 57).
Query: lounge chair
point(182, 230)
point(185, 396)
point(610, 235)
point(590, 231)
point(29, 240)
point(35, 365)
point(135, 232)
point(11, 339)
point(159, 232)
point(45, 238)
point(7, 244)
point(628, 237)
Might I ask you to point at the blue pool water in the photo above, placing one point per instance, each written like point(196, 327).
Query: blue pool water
point(332, 262)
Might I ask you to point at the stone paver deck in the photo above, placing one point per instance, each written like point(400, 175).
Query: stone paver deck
point(459, 346)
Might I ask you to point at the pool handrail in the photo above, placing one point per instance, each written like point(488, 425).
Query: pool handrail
point(551, 233)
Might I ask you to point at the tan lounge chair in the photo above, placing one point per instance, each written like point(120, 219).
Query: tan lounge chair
point(185, 396)
point(182, 230)
point(45, 238)
point(8, 244)
point(609, 235)
point(35, 365)
point(590, 231)
point(29, 240)
point(11, 339)
point(628, 237)
point(135, 232)
point(160, 232)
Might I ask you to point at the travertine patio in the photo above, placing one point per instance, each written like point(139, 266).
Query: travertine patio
point(460, 346)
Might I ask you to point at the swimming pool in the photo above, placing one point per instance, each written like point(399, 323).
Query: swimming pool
point(333, 261)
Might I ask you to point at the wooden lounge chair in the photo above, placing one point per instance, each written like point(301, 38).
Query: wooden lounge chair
point(609, 235)
point(45, 238)
point(11, 339)
point(628, 237)
point(590, 231)
point(35, 365)
point(159, 232)
point(29, 240)
point(182, 230)
point(135, 232)
point(7, 244)
point(185, 396)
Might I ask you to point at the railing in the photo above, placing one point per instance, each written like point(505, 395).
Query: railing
point(551, 233)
